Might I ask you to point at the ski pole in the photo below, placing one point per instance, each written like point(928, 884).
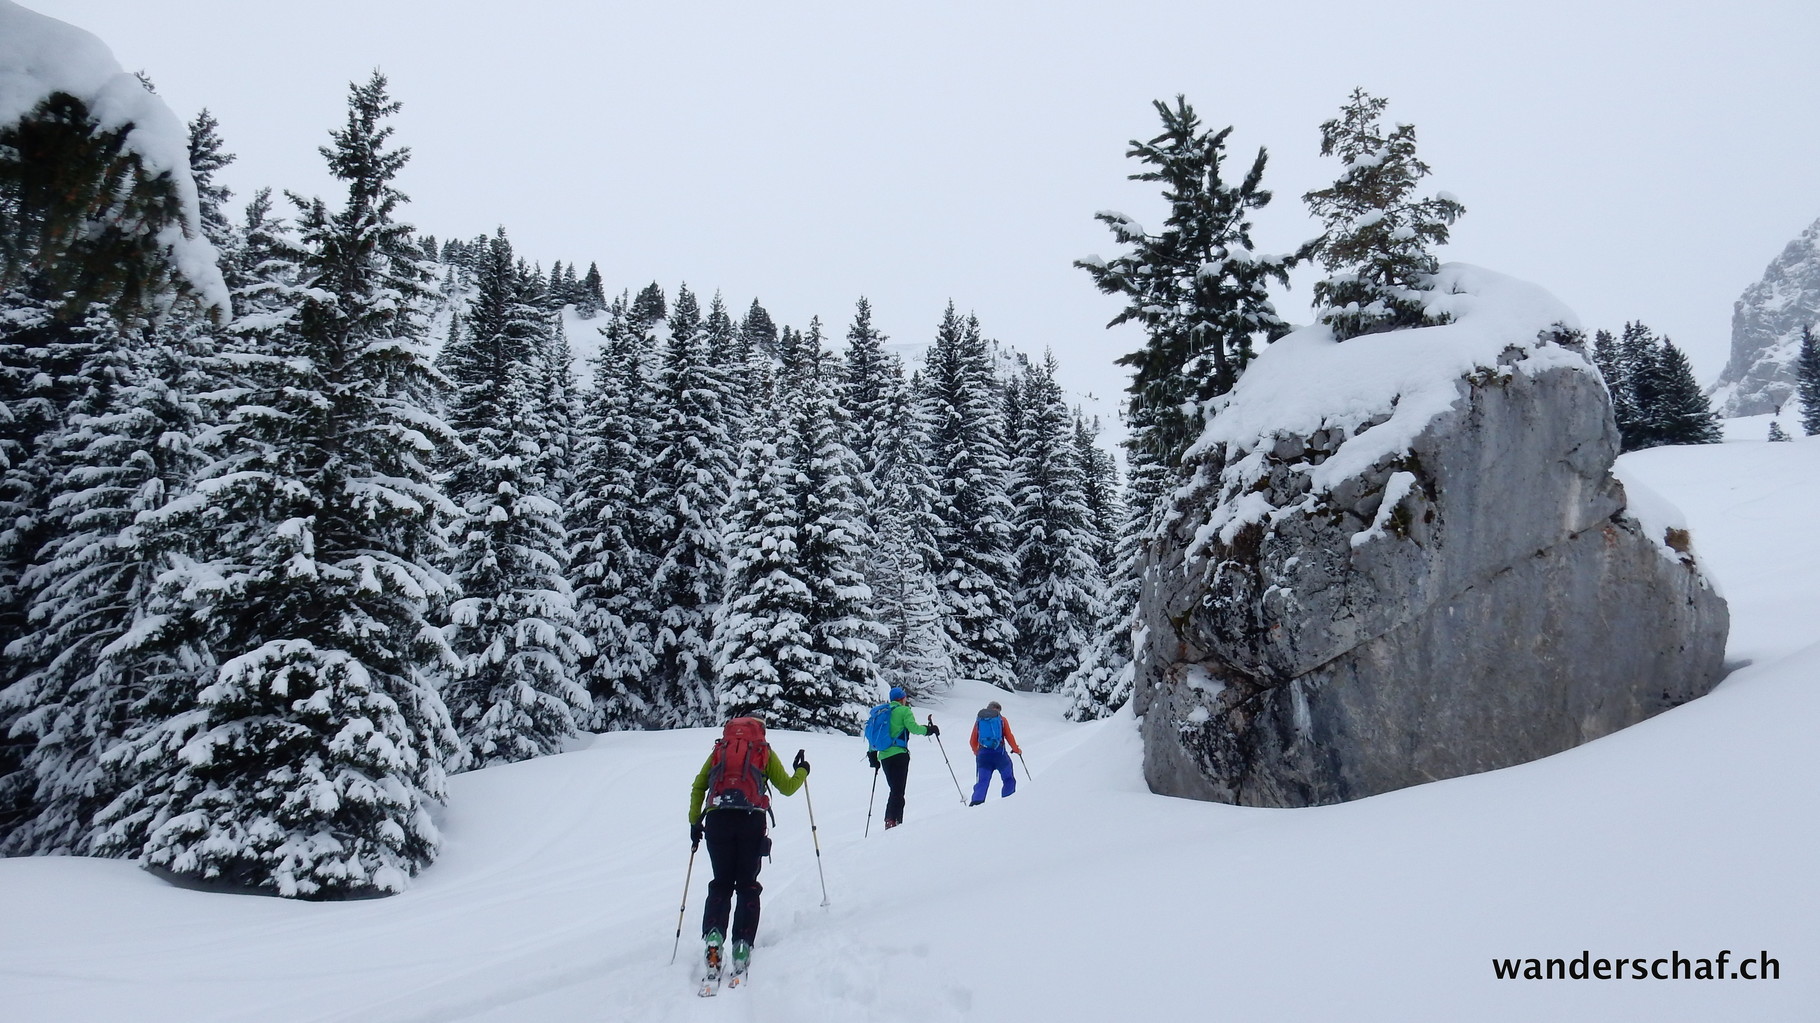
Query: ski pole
point(869, 801)
point(950, 763)
point(1020, 759)
point(685, 903)
point(813, 837)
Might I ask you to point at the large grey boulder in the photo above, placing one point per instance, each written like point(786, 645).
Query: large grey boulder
point(1760, 376)
point(1329, 616)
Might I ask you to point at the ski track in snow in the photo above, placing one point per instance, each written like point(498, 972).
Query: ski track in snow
point(1084, 897)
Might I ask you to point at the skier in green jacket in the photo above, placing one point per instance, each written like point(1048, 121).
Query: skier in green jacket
point(894, 759)
point(727, 805)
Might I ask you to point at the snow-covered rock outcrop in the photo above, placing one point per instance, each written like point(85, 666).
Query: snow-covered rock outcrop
point(1405, 558)
point(1766, 331)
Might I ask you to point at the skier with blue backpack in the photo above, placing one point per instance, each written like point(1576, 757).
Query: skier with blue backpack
point(888, 729)
point(990, 739)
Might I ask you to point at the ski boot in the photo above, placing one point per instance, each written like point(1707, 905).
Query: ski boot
point(742, 958)
point(710, 984)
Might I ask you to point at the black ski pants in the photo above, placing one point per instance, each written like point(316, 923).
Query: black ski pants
point(897, 773)
point(736, 847)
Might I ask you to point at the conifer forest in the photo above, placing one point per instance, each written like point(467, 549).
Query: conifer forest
point(288, 540)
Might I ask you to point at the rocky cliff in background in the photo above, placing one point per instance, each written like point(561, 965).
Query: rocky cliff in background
point(1766, 331)
point(1405, 558)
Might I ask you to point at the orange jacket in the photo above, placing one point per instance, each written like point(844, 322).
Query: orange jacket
point(1010, 740)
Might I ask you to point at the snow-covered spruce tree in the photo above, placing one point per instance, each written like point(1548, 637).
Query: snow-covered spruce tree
point(1777, 433)
point(1639, 385)
point(310, 759)
point(257, 240)
point(966, 455)
point(1011, 400)
point(592, 294)
point(764, 656)
point(1681, 414)
point(1200, 291)
point(869, 380)
point(758, 332)
point(1378, 232)
point(515, 694)
point(1102, 683)
point(560, 410)
point(610, 561)
point(915, 650)
point(1198, 287)
point(1060, 593)
point(97, 655)
point(726, 346)
point(1100, 491)
point(86, 595)
point(1807, 388)
point(831, 541)
point(868, 389)
point(1613, 359)
point(84, 221)
point(686, 496)
point(79, 217)
point(100, 234)
point(208, 157)
point(649, 308)
point(789, 354)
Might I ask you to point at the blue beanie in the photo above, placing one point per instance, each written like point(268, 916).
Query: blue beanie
point(897, 692)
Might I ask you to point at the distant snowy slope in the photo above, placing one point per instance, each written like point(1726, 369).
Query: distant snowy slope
point(1084, 897)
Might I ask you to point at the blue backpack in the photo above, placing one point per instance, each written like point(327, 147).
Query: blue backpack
point(878, 729)
point(992, 732)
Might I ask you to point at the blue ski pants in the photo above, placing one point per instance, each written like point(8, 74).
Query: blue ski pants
point(988, 761)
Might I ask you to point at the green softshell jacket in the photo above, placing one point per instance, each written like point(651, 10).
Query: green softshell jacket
point(903, 725)
point(785, 782)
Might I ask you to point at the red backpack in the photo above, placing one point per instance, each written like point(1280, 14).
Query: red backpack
point(736, 773)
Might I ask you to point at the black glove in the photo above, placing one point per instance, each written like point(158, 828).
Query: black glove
point(872, 759)
point(933, 728)
point(694, 834)
point(801, 763)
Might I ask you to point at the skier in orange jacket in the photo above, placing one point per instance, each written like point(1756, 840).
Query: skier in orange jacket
point(990, 739)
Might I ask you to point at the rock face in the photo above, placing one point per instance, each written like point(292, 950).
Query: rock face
point(1766, 331)
point(1469, 599)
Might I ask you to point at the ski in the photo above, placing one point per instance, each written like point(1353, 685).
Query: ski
point(737, 975)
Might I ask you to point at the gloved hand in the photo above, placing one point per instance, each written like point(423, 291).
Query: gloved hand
point(933, 728)
point(872, 759)
point(801, 763)
point(694, 834)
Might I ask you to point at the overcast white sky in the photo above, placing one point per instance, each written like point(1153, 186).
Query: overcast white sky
point(1641, 160)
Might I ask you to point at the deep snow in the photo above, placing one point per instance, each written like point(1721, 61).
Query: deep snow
point(1084, 897)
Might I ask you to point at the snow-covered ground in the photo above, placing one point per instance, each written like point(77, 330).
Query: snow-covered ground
point(1084, 897)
